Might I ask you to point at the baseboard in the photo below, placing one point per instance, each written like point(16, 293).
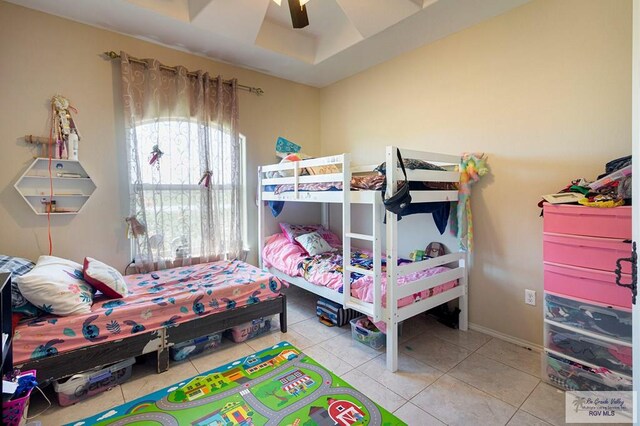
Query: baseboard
point(505, 337)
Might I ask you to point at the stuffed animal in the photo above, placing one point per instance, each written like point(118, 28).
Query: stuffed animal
point(288, 159)
point(472, 167)
point(434, 250)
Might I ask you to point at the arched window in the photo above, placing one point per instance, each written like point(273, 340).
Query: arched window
point(188, 188)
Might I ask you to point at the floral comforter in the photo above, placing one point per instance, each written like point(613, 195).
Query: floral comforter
point(326, 270)
point(177, 296)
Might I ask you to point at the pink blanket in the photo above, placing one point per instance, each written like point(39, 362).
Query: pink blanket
point(326, 270)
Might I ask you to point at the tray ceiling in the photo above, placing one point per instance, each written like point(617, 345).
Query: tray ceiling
point(344, 37)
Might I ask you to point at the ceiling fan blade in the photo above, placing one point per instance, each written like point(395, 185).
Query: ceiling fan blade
point(299, 17)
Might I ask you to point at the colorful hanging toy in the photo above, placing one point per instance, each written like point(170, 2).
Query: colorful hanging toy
point(156, 154)
point(205, 180)
point(66, 132)
point(472, 167)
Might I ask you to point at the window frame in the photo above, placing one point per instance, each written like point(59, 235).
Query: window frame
point(244, 214)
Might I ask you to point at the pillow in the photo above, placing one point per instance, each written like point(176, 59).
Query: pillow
point(314, 244)
point(411, 164)
point(56, 286)
point(18, 266)
point(320, 170)
point(104, 278)
point(292, 231)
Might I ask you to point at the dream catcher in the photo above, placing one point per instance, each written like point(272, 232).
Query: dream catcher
point(64, 128)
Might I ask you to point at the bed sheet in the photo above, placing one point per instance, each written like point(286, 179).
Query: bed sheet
point(365, 183)
point(326, 270)
point(178, 295)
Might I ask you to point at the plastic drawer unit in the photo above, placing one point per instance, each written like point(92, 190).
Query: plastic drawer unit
point(575, 376)
point(600, 319)
point(591, 349)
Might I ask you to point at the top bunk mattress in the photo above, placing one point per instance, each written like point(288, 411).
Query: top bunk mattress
point(178, 295)
point(326, 270)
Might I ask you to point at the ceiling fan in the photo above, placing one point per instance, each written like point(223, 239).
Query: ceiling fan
point(298, 10)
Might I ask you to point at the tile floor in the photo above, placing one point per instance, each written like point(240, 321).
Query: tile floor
point(445, 376)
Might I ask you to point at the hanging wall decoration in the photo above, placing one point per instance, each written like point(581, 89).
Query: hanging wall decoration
point(472, 167)
point(156, 154)
point(205, 180)
point(66, 132)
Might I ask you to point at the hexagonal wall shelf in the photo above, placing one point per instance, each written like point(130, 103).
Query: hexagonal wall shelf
point(72, 186)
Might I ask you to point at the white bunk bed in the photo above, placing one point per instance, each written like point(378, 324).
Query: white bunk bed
point(390, 314)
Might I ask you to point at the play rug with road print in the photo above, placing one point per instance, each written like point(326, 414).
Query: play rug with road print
point(277, 386)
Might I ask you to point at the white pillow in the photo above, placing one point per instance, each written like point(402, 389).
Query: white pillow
point(104, 278)
point(56, 286)
point(314, 244)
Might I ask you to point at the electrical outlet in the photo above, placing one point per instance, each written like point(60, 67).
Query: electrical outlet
point(530, 297)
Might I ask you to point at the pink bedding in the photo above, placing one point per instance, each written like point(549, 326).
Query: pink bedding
point(326, 270)
point(177, 296)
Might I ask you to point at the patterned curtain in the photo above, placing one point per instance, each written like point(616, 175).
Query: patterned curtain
point(183, 150)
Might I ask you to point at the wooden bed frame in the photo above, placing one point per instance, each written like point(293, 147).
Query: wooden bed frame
point(68, 363)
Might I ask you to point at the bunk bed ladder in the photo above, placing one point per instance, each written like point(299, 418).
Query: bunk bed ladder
point(391, 312)
point(372, 309)
point(260, 219)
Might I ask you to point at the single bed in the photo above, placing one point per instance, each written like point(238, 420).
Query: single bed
point(182, 303)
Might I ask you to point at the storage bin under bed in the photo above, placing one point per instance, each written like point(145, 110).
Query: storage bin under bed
point(184, 350)
point(375, 339)
point(83, 385)
point(249, 330)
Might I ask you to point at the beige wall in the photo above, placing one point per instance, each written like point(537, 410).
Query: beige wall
point(545, 90)
point(44, 55)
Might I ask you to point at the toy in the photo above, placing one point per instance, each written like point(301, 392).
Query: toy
point(434, 250)
point(284, 147)
point(287, 159)
point(472, 167)
point(417, 255)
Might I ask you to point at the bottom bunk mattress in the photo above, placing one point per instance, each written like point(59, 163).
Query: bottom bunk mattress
point(177, 296)
point(326, 270)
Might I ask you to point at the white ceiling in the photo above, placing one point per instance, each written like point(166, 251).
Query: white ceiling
point(343, 38)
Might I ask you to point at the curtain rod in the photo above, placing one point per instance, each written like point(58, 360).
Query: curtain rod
point(113, 55)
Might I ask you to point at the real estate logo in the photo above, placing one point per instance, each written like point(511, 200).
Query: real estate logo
point(600, 407)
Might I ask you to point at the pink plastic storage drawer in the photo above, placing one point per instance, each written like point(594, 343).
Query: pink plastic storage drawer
point(589, 284)
point(590, 221)
point(588, 252)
